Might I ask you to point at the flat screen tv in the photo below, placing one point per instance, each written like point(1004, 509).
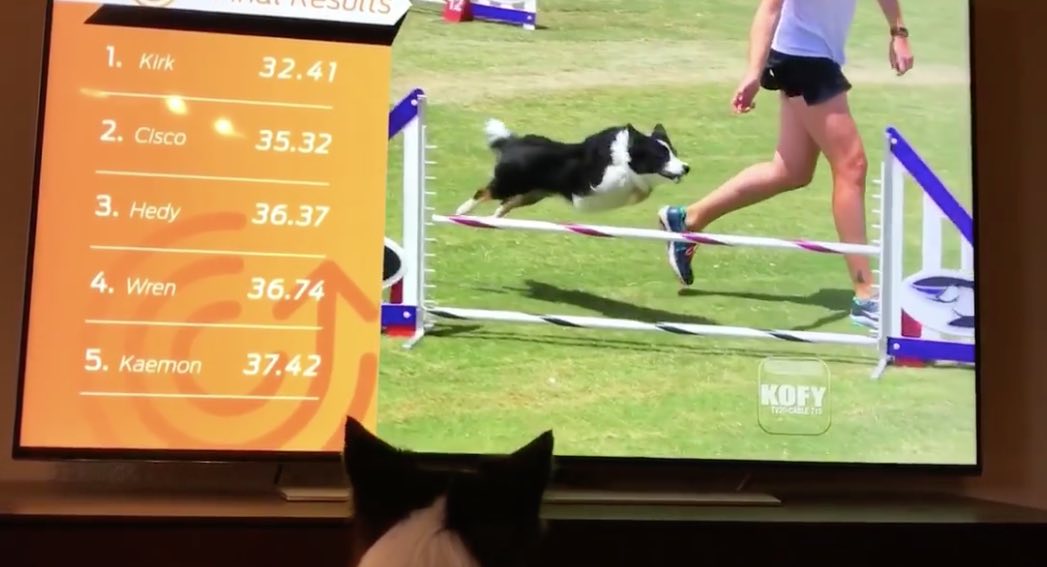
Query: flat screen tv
point(670, 231)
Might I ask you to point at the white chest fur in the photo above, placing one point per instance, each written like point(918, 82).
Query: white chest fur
point(619, 187)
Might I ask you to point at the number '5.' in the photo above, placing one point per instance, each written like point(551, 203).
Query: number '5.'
point(93, 358)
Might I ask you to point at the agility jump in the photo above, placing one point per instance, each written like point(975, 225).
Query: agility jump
point(925, 317)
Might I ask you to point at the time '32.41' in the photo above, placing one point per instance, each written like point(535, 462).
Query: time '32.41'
point(287, 69)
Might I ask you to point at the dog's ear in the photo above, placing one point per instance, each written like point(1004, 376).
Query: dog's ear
point(659, 133)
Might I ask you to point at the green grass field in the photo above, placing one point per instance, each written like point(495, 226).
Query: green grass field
point(489, 388)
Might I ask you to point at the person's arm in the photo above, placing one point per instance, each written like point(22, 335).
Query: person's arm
point(761, 33)
point(893, 12)
point(900, 53)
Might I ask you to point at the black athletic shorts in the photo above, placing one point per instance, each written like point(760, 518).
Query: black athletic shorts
point(816, 79)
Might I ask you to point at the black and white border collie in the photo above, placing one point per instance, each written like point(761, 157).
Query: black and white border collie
point(616, 167)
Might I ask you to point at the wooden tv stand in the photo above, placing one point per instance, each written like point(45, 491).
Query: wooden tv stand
point(49, 525)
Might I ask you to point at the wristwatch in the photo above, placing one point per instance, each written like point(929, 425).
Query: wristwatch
point(899, 31)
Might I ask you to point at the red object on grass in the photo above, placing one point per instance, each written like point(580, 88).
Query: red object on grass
point(457, 11)
point(913, 329)
point(398, 331)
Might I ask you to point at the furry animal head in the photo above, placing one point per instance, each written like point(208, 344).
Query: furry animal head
point(651, 156)
point(406, 516)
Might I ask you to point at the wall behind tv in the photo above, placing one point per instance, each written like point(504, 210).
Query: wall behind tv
point(1012, 130)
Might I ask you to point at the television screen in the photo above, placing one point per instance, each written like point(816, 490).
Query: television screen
point(725, 230)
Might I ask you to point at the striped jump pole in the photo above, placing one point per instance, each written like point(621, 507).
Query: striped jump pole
point(581, 322)
point(651, 234)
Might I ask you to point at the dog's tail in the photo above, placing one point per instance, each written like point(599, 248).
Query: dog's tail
point(497, 134)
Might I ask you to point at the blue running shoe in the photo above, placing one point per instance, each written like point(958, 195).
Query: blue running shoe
point(866, 312)
point(680, 253)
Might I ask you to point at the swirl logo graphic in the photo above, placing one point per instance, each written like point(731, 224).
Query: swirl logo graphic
point(154, 3)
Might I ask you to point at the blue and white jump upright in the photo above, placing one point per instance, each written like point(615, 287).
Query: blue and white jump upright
point(939, 300)
point(407, 296)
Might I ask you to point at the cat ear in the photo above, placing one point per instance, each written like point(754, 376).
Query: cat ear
point(355, 430)
point(497, 510)
point(538, 449)
point(532, 465)
point(368, 458)
point(358, 438)
point(528, 467)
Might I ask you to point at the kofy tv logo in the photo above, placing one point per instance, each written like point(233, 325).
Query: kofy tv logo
point(941, 300)
point(794, 396)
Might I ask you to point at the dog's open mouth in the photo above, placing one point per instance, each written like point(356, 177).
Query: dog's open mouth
point(674, 177)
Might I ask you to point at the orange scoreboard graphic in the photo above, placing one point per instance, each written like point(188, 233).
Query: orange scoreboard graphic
point(205, 258)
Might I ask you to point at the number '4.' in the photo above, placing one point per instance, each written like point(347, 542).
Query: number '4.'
point(99, 283)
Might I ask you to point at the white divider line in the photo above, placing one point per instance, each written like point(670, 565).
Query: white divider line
point(176, 396)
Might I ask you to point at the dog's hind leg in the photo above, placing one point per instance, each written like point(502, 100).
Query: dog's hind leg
point(480, 196)
point(518, 201)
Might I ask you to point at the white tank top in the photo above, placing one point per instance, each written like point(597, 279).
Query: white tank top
point(814, 28)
